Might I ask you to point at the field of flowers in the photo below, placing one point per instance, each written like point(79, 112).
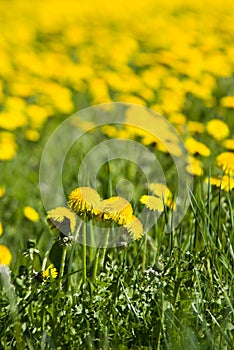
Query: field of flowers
point(144, 286)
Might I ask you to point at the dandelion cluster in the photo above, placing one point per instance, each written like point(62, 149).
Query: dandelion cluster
point(160, 71)
point(176, 58)
point(86, 202)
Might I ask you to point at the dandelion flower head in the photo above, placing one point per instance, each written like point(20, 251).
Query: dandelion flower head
point(225, 182)
point(225, 161)
point(229, 144)
point(162, 191)
point(31, 214)
point(49, 272)
point(152, 203)
point(84, 200)
point(5, 255)
point(194, 167)
point(2, 191)
point(218, 129)
point(196, 147)
point(134, 228)
point(117, 209)
point(62, 219)
point(227, 101)
point(195, 127)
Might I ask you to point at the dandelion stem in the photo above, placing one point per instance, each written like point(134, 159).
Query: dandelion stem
point(144, 253)
point(96, 263)
point(105, 247)
point(62, 265)
point(72, 254)
point(43, 267)
point(84, 253)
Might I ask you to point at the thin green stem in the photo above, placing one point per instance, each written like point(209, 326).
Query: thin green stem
point(84, 253)
point(96, 264)
point(144, 253)
point(43, 267)
point(62, 265)
point(102, 260)
point(72, 254)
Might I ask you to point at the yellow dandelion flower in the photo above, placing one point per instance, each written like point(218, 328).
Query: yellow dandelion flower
point(22, 89)
point(177, 118)
point(227, 101)
point(131, 99)
point(194, 167)
point(162, 191)
point(110, 131)
point(59, 96)
point(134, 228)
point(216, 63)
point(134, 131)
point(31, 135)
point(99, 90)
point(31, 214)
point(157, 108)
point(117, 209)
point(149, 140)
point(8, 146)
point(5, 255)
point(218, 129)
point(195, 127)
point(123, 134)
point(82, 124)
point(85, 200)
point(158, 125)
point(63, 219)
point(195, 147)
point(225, 161)
point(168, 146)
point(1, 229)
point(15, 104)
point(2, 191)
point(161, 147)
point(37, 115)
point(229, 144)
point(11, 120)
point(152, 202)
point(172, 101)
point(147, 94)
point(225, 182)
point(49, 272)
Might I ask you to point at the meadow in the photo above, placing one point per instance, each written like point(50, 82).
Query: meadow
point(116, 175)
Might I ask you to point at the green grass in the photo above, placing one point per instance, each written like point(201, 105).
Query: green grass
point(181, 299)
point(187, 303)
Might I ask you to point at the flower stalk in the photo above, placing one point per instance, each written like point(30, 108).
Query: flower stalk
point(62, 266)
